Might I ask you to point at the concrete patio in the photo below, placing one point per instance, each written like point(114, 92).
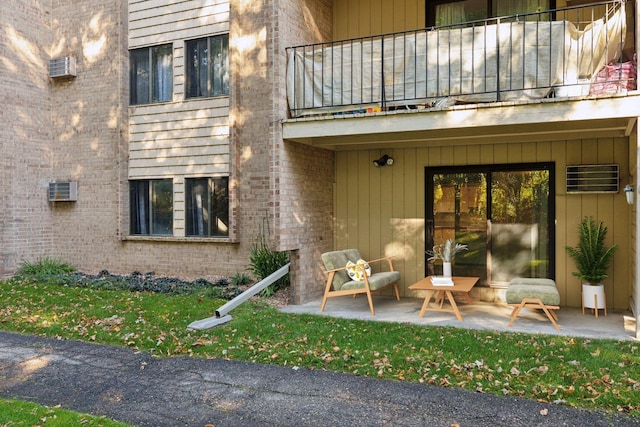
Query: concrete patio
point(479, 315)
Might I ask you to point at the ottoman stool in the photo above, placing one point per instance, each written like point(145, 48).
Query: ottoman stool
point(533, 293)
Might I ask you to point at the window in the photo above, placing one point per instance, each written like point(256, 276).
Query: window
point(207, 206)
point(503, 213)
point(512, 7)
point(151, 75)
point(151, 207)
point(448, 12)
point(453, 12)
point(207, 62)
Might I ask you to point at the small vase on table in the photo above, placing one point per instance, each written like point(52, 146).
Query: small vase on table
point(446, 269)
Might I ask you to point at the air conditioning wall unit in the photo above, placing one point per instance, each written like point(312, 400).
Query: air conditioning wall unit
point(65, 191)
point(62, 67)
point(593, 178)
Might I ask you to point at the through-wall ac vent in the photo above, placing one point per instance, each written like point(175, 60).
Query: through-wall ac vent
point(63, 191)
point(593, 179)
point(62, 67)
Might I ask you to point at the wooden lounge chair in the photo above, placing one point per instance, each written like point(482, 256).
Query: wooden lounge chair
point(340, 283)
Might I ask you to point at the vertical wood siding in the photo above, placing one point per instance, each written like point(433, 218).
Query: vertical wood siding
point(360, 18)
point(381, 211)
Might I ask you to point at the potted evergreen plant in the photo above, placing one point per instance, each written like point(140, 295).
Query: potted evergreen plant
point(592, 260)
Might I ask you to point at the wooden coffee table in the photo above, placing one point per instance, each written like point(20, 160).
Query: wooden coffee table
point(460, 284)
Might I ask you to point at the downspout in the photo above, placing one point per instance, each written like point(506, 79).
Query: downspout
point(118, 148)
point(222, 315)
point(277, 144)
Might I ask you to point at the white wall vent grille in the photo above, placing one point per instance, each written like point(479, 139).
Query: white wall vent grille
point(593, 179)
point(63, 191)
point(62, 67)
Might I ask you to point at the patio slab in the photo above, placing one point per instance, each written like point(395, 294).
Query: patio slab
point(618, 325)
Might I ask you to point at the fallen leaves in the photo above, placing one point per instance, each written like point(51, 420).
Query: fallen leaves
point(558, 369)
point(381, 365)
point(110, 323)
point(539, 370)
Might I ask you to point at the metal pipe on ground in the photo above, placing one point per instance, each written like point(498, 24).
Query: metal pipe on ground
point(222, 317)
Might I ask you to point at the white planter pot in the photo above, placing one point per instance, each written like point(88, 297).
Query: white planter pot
point(446, 269)
point(593, 296)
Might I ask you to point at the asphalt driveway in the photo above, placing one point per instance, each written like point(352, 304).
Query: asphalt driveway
point(142, 390)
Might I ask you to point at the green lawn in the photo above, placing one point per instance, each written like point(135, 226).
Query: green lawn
point(14, 413)
point(565, 370)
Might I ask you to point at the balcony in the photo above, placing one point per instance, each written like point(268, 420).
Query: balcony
point(561, 54)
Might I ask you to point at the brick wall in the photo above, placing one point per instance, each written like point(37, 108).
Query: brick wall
point(282, 189)
point(306, 214)
point(76, 129)
point(286, 186)
point(90, 122)
point(89, 128)
point(25, 136)
point(306, 174)
point(250, 109)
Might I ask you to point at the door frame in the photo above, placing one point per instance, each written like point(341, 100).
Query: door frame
point(430, 171)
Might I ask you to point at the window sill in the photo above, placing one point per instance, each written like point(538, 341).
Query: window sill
point(205, 97)
point(174, 239)
point(150, 104)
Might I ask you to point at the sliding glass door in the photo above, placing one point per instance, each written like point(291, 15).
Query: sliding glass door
point(504, 213)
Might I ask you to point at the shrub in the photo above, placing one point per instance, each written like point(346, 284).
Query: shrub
point(44, 268)
point(56, 273)
point(264, 261)
point(240, 279)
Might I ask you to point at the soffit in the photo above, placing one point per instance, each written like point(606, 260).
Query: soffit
point(478, 124)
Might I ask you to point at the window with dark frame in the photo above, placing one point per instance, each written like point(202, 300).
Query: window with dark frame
point(207, 66)
point(151, 207)
point(448, 12)
point(207, 207)
point(151, 74)
point(504, 214)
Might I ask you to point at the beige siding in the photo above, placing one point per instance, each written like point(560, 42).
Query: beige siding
point(158, 21)
point(178, 70)
point(189, 138)
point(381, 210)
point(186, 137)
point(152, 24)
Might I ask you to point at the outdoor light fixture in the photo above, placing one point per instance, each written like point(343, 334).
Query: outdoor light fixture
point(628, 191)
point(383, 161)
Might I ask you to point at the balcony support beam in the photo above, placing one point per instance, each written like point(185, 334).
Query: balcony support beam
point(491, 123)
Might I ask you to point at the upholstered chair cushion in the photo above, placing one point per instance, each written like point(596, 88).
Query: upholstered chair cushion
point(546, 293)
point(532, 281)
point(376, 281)
point(333, 261)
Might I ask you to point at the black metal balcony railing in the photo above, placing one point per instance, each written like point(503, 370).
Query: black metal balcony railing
point(575, 51)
